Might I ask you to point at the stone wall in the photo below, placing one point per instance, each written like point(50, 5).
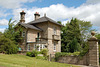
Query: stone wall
point(91, 58)
point(75, 60)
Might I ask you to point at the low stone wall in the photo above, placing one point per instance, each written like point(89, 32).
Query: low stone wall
point(75, 60)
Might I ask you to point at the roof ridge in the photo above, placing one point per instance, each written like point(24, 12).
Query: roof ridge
point(35, 20)
point(44, 19)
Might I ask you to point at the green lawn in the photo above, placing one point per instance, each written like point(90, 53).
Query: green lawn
point(15, 60)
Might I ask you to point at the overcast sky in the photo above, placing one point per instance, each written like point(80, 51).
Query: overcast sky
point(58, 10)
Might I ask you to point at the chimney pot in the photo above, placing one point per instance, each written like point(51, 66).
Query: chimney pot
point(22, 10)
point(37, 15)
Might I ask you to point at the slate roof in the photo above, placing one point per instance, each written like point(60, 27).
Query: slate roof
point(30, 26)
point(44, 19)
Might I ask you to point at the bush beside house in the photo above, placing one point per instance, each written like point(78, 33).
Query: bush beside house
point(38, 55)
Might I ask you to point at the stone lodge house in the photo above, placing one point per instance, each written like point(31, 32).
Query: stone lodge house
point(40, 33)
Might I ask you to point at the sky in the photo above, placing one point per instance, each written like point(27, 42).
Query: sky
point(58, 10)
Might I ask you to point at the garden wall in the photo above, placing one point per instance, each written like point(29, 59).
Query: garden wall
point(75, 60)
point(91, 58)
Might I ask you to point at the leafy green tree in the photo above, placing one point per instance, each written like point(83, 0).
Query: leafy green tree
point(10, 38)
point(1, 34)
point(74, 31)
point(74, 46)
point(12, 33)
point(85, 29)
point(7, 46)
point(73, 36)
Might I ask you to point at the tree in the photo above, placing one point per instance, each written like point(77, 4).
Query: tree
point(13, 34)
point(7, 46)
point(74, 31)
point(1, 34)
point(85, 29)
point(73, 46)
point(73, 36)
point(10, 39)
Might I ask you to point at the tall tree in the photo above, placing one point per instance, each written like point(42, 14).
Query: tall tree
point(74, 31)
point(73, 35)
point(8, 42)
point(85, 29)
point(11, 33)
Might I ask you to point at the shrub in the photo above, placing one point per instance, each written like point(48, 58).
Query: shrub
point(7, 46)
point(28, 53)
point(32, 54)
point(41, 57)
point(44, 52)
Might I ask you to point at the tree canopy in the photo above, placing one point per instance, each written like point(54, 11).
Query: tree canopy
point(9, 39)
point(74, 35)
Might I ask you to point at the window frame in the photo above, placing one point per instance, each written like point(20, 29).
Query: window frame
point(23, 34)
point(28, 47)
point(41, 46)
point(54, 47)
point(55, 30)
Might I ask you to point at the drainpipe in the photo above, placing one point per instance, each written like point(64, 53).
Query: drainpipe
point(26, 38)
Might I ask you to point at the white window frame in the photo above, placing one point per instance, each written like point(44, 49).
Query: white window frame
point(55, 30)
point(23, 34)
point(54, 46)
point(41, 46)
point(28, 47)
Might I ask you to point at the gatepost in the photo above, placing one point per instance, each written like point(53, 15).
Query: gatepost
point(93, 51)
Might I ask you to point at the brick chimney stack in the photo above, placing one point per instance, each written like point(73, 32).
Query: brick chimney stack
point(37, 15)
point(22, 16)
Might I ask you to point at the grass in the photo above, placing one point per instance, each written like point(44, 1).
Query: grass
point(16, 60)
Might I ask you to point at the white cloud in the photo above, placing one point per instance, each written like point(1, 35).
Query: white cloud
point(92, 1)
point(3, 22)
point(2, 30)
point(13, 3)
point(56, 12)
point(3, 14)
point(60, 12)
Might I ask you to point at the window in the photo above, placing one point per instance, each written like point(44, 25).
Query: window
point(28, 47)
point(54, 30)
point(54, 46)
point(38, 35)
point(39, 47)
point(23, 34)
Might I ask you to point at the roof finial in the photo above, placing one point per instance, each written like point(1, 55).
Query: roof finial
point(92, 33)
point(44, 14)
